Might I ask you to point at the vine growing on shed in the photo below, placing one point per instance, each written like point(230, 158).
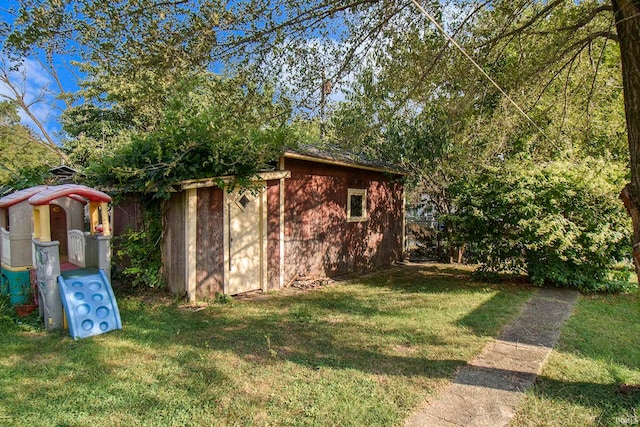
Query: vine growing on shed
point(138, 250)
point(210, 127)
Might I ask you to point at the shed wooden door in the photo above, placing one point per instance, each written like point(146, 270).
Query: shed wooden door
point(245, 241)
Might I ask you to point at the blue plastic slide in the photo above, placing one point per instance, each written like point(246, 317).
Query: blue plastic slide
point(89, 303)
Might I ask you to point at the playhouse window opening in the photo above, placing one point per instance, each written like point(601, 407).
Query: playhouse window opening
point(356, 205)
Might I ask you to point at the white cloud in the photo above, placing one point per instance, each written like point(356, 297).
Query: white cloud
point(33, 84)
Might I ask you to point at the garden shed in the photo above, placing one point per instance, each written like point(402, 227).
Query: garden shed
point(318, 214)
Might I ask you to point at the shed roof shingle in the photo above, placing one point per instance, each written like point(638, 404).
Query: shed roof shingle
point(335, 154)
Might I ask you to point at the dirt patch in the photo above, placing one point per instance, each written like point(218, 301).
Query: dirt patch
point(404, 350)
point(298, 285)
point(194, 306)
point(629, 390)
point(308, 284)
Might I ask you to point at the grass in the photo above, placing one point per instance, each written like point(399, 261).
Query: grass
point(364, 352)
point(593, 377)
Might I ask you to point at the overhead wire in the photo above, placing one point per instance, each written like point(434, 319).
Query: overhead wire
point(484, 73)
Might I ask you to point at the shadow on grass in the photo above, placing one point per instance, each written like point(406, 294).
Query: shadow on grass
point(433, 278)
point(300, 325)
point(333, 330)
point(53, 366)
point(484, 320)
point(418, 278)
point(615, 405)
point(487, 319)
point(300, 332)
point(373, 331)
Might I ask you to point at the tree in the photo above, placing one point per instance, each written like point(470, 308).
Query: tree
point(139, 48)
point(20, 149)
point(572, 28)
point(627, 18)
point(14, 79)
point(128, 53)
point(446, 121)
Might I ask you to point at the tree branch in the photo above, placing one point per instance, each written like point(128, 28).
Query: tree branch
point(580, 23)
point(18, 98)
point(541, 14)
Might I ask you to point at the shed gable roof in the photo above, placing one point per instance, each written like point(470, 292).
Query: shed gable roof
point(335, 155)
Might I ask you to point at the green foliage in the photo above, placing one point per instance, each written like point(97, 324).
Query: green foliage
point(118, 38)
point(8, 316)
point(26, 177)
point(23, 158)
point(559, 222)
point(426, 108)
point(221, 298)
point(138, 251)
point(210, 127)
point(141, 255)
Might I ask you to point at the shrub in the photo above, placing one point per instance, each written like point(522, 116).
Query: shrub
point(559, 222)
point(138, 251)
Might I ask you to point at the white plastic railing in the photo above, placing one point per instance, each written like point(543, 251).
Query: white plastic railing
point(6, 246)
point(76, 247)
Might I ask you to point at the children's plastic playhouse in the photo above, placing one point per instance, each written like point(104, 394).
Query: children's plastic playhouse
point(43, 230)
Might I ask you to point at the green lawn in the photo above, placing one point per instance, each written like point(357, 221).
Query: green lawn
point(363, 352)
point(593, 377)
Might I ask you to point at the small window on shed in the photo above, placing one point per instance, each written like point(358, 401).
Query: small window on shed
point(356, 205)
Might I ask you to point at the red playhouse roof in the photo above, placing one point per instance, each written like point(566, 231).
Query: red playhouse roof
point(75, 191)
point(19, 196)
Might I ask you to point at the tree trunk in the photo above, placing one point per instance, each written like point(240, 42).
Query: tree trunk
point(626, 196)
point(460, 254)
point(627, 17)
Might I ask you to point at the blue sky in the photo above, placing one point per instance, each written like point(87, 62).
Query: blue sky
point(35, 83)
point(38, 84)
point(37, 87)
point(40, 88)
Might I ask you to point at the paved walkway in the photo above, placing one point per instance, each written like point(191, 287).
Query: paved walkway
point(486, 391)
